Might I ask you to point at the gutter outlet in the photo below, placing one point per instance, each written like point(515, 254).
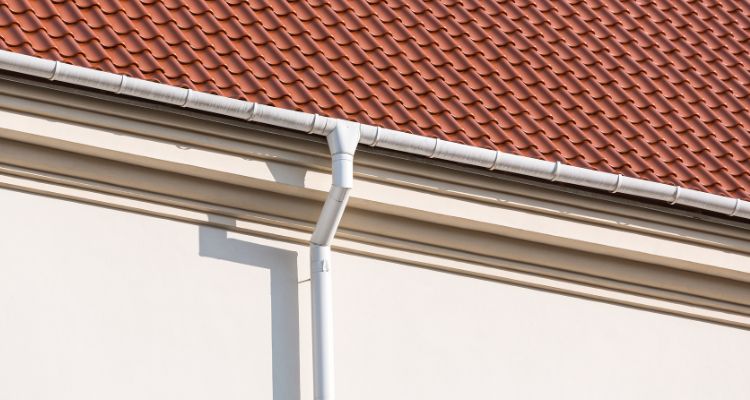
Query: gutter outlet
point(342, 143)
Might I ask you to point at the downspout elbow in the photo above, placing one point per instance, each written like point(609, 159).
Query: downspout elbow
point(342, 143)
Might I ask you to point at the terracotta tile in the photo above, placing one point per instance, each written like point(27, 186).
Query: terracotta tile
point(657, 90)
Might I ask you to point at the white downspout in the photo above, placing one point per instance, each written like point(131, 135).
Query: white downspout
point(342, 142)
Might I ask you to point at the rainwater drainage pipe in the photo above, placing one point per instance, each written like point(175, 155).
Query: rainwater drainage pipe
point(342, 142)
point(342, 137)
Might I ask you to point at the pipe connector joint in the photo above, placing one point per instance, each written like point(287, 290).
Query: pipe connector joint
point(320, 258)
point(343, 139)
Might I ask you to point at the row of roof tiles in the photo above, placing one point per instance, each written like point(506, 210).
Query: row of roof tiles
point(651, 89)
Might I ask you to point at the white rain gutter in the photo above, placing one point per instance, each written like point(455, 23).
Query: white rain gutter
point(343, 137)
point(374, 136)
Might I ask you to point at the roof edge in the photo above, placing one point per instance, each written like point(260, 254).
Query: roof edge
point(373, 136)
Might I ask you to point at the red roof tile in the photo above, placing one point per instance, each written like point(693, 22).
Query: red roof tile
point(651, 89)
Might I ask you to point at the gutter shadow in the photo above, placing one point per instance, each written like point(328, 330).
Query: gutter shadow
point(282, 264)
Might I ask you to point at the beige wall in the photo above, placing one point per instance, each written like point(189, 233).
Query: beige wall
point(190, 167)
point(98, 303)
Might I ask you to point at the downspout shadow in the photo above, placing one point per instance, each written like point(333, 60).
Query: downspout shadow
point(282, 265)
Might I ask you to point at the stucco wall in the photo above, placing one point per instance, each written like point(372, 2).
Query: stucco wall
point(97, 303)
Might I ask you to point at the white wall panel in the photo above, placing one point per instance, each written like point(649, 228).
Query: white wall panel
point(103, 304)
point(413, 333)
point(97, 303)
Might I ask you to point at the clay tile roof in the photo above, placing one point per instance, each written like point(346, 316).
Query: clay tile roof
point(651, 89)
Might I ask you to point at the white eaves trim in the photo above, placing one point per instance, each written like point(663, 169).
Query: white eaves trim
point(372, 135)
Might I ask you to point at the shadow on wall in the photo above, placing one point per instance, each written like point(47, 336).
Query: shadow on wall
point(282, 265)
point(287, 174)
